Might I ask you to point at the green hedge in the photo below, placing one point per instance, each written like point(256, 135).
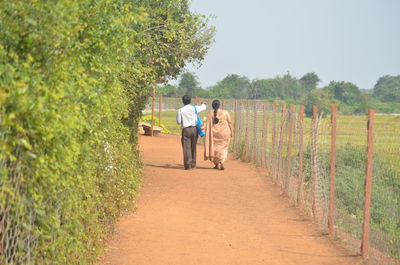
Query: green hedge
point(74, 77)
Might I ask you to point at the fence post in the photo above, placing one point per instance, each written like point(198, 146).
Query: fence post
point(223, 104)
point(235, 117)
point(368, 184)
point(301, 156)
point(160, 110)
point(240, 127)
point(255, 134)
point(2, 233)
point(280, 146)
point(332, 172)
point(314, 159)
point(264, 135)
point(152, 111)
point(273, 144)
point(289, 149)
point(246, 151)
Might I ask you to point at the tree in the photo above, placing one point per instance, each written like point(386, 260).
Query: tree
point(387, 88)
point(345, 92)
point(203, 93)
point(318, 97)
point(75, 76)
point(188, 84)
point(267, 88)
point(173, 36)
point(232, 86)
point(280, 87)
point(310, 81)
point(168, 90)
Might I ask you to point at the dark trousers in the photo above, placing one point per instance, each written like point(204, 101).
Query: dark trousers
point(189, 144)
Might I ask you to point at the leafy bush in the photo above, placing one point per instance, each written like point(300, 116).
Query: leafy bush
point(74, 78)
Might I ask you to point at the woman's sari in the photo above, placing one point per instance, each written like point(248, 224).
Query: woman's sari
point(217, 137)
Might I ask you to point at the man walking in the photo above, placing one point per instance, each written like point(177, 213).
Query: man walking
point(187, 117)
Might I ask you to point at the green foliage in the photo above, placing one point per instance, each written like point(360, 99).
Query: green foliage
point(232, 86)
point(168, 90)
point(74, 78)
point(188, 84)
point(203, 93)
point(310, 81)
point(387, 89)
point(318, 97)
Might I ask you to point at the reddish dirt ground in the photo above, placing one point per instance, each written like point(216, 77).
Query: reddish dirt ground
point(207, 216)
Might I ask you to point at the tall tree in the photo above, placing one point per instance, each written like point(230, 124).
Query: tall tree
point(387, 88)
point(318, 97)
point(232, 86)
point(310, 81)
point(188, 84)
point(344, 91)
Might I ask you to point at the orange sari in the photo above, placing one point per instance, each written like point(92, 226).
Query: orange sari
point(217, 137)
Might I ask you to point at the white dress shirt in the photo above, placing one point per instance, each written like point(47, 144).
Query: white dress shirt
point(186, 115)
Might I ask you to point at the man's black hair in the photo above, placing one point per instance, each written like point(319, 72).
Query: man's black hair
point(186, 99)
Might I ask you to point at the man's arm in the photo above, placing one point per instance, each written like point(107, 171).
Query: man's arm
point(201, 108)
point(179, 117)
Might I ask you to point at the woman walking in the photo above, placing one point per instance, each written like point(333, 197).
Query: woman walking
point(218, 134)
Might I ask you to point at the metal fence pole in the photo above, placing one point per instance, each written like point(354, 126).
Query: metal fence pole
point(301, 156)
point(332, 172)
point(368, 184)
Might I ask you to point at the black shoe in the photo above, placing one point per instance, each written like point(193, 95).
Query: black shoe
point(188, 167)
point(193, 166)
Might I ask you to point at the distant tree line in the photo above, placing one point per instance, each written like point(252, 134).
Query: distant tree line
point(385, 96)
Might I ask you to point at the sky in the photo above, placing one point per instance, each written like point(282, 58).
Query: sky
point(343, 40)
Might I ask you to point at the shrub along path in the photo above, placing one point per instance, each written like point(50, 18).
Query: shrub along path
point(207, 216)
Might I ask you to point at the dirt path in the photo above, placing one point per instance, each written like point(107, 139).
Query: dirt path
point(206, 216)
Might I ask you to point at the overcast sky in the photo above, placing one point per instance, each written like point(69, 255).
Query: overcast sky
point(342, 40)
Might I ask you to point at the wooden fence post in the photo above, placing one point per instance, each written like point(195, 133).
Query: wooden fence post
point(152, 111)
point(314, 160)
point(264, 135)
point(247, 130)
point(368, 184)
point(280, 146)
point(289, 148)
point(235, 117)
point(332, 172)
point(301, 156)
point(160, 110)
point(255, 134)
point(240, 127)
point(273, 144)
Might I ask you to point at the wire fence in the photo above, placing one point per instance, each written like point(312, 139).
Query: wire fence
point(341, 170)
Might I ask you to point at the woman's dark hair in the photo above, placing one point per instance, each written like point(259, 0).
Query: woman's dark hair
point(215, 105)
